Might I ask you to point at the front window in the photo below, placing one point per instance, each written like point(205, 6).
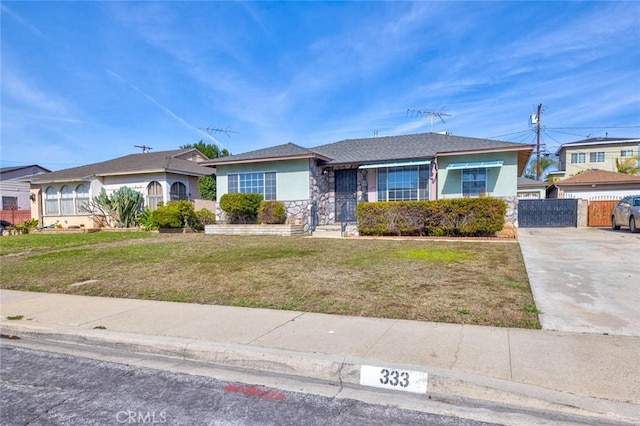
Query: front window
point(51, 206)
point(263, 183)
point(82, 199)
point(474, 182)
point(626, 153)
point(178, 191)
point(403, 183)
point(66, 200)
point(154, 194)
point(596, 157)
point(578, 157)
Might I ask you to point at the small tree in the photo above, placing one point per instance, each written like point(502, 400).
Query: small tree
point(122, 205)
point(207, 187)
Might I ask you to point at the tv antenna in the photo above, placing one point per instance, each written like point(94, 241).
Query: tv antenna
point(144, 148)
point(431, 114)
point(211, 130)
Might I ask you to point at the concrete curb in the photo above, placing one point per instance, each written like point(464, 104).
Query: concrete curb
point(443, 385)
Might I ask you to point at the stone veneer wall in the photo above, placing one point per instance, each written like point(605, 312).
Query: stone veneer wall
point(511, 216)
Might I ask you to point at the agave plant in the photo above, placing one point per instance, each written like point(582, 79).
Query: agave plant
point(123, 205)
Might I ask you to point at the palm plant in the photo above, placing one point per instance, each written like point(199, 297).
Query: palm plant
point(628, 165)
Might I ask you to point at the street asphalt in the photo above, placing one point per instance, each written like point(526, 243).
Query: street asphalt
point(591, 372)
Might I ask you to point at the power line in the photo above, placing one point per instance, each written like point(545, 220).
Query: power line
point(595, 127)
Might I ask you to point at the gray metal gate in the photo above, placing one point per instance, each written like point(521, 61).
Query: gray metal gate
point(548, 213)
point(346, 195)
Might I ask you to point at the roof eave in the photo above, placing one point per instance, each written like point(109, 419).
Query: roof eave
point(314, 155)
point(484, 150)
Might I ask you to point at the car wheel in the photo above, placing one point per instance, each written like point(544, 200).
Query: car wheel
point(613, 223)
point(632, 224)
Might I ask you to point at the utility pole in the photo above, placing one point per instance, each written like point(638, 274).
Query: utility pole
point(538, 141)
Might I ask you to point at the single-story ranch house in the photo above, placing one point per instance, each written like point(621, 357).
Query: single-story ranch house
point(63, 196)
point(322, 185)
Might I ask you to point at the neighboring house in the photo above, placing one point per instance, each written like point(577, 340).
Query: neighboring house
point(64, 196)
point(595, 185)
point(14, 192)
point(529, 189)
point(594, 153)
point(322, 185)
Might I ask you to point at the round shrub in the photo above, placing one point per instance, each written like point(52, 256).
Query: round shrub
point(271, 212)
point(241, 208)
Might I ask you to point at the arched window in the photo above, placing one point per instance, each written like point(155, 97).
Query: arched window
point(154, 194)
point(82, 199)
point(66, 200)
point(178, 191)
point(51, 206)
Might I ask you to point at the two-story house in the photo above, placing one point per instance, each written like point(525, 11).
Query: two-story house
point(594, 153)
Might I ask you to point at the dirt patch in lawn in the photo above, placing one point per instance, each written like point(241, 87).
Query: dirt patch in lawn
point(460, 282)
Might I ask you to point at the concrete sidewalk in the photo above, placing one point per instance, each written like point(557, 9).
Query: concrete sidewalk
point(595, 376)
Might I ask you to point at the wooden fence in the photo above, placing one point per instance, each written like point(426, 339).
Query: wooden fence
point(600, 213)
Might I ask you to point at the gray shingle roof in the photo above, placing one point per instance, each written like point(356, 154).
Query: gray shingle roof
point(600, 140)
point(286, 150)
point(523, 181)
point(405, 147)
point(149, 162)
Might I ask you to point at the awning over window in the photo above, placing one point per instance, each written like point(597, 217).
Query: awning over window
point(475, 165)
point(404, 164)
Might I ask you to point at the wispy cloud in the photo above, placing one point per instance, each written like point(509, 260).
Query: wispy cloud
point(168, 111)
point(8, 11)
point(19, 93)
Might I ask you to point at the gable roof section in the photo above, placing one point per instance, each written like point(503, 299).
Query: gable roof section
point(406, 147)
point(149, 162)
point(592, 176)
point(287, 151)
point(31, 169)
point(386, 149)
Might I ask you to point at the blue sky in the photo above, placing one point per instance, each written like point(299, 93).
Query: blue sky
point(84, 82)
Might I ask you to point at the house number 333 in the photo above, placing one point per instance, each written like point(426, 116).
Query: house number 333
point(394, 378)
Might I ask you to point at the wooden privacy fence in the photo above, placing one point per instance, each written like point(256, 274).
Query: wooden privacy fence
point(600, 212)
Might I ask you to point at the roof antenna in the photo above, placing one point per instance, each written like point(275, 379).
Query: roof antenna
point(421, 114)
point(211, 130)
point(144, 148)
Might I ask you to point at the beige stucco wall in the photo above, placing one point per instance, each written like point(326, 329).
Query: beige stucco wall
point(611, 152)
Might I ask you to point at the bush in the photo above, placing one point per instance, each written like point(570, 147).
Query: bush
point(271, 212)
point(470, 217)
point(145, 220)
point(241, 208)
point(176, 214)
point(206, 217)
point(24, 227)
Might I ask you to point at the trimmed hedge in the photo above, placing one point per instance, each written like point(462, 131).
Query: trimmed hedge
point(241, 208)
point(459, 217)
point(272, 212)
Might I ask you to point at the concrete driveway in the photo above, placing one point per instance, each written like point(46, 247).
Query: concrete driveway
point(584, 279)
